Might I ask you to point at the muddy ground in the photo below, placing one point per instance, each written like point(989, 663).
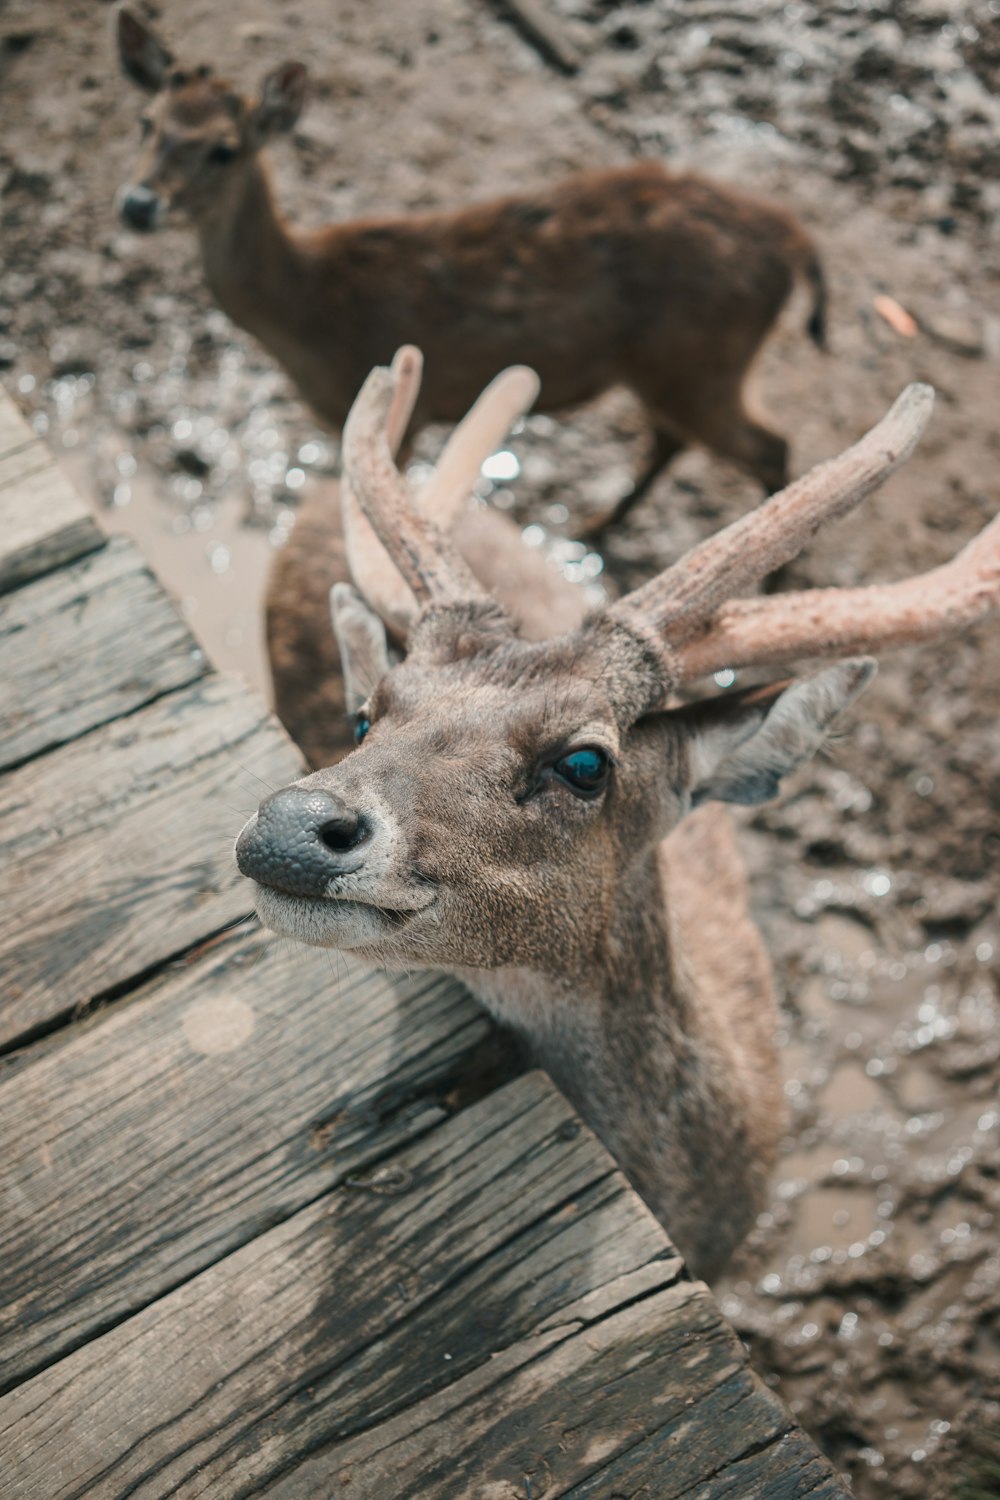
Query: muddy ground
point(870, 1291)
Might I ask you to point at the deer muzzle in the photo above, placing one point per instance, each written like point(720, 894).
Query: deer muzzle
point(141, 208)
point(303, 840)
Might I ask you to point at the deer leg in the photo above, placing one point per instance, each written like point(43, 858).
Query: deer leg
point(667, 443)
point(732, 433)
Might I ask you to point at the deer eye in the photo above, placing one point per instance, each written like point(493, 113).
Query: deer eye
point(362, 724)
point(586, 770)
point(145, 127)
point(221, 154)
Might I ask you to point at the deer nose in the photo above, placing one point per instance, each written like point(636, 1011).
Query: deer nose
point(140, 207)
point(300, 840)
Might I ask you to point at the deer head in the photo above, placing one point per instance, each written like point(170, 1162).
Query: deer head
point(200, 134)
point(505, 793)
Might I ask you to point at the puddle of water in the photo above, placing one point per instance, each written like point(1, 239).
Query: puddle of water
point(837, 1218)
point(217, 579)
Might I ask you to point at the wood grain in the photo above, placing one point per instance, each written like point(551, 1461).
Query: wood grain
point(511, 1312)
point(344, 1312)
point(15, 432)
point(84, 645)
point(225, 1097)
point(43, 521)
point(652, 1398)
point(116, 850)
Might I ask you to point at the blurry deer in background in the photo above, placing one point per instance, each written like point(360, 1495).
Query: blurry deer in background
point(667, 284)
point(540, 819)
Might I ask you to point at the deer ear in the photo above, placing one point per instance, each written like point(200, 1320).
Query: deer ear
point(282, 95)
point(143, 56)
point(743, 746)
point(360, 634)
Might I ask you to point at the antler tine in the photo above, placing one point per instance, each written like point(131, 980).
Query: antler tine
point(423, 555)
point(480, 433)
point(840, 622)
point(370, 565)
point(682, 598)
point(407, 370)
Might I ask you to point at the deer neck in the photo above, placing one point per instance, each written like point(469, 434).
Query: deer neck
point(254, 264)
point(589, 1024)
point(631, 1041)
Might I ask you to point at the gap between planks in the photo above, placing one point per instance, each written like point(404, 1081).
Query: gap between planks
point(69, 624)
point(222, 1098)
point(132, 859)
point(43, 521)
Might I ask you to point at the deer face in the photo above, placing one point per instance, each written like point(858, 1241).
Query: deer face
point(200, 136)
point(502, 794)
point(488, 786)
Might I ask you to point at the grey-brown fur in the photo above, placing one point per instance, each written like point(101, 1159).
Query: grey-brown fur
point(608, 923)
point(615, 941)
point(603, 919)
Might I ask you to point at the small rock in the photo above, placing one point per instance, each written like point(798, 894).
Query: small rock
point(844, 936)
point(917, 1088)
point(28, 178)
point(959, 334)
point(851, 1092)
point(192, 462)
point(18, 41)
point(257, 31)
point(957, 903)
point(73, 363)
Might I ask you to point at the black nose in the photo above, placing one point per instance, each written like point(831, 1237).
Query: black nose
point(139, 208)
point(301, 839)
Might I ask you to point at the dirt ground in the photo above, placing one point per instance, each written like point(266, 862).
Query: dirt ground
point(869, 1293)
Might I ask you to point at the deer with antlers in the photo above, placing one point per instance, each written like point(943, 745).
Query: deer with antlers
point(541, 818)
point(665, 283)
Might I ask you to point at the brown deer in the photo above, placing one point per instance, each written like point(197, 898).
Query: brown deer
point(665, 283)
point(541, 819)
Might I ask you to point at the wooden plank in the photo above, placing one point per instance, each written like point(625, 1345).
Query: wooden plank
point(229, 1094)
point(650, 1399)
point(84, 645)
point(43, 521)
point(15, 433)
point(511, 1312)
point(116, 850)
point(343, 1312)
point(739, 1443)
point(23, 459)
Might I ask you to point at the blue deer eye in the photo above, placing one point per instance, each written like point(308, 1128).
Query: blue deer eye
point(362, 724)
point(585, 770)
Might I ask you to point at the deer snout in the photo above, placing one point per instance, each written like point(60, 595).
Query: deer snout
point(301, 839)
point(140, 208)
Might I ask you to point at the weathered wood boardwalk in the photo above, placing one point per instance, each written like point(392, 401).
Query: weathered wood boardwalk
point(248, 1245)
